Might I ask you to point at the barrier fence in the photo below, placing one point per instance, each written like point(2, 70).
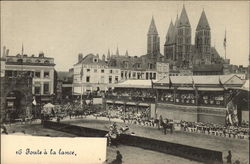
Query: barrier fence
point(185, 151)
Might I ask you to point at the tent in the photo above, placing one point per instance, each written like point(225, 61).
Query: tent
point(47, 108)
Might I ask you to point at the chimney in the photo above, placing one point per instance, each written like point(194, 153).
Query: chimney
point(80, 56)
point(103, 57)
point(41, 55)
point(7, 52)
point(4, 53)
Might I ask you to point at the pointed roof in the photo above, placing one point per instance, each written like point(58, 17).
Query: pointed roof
point(152, 28)
point(170, 35)
point(126, 54)
point(203, 22)
point(175, 28)
point(183, 21)
point(117, 51)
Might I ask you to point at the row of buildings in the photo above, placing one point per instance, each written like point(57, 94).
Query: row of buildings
point(27, 78)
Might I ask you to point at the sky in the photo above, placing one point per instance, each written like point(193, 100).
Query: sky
point(63, 29)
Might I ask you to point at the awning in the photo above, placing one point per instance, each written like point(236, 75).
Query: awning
point(130, 103)
point(185, 88)
point(210, 89)
point(119, 102)
point(108, 101)
point(143, 104)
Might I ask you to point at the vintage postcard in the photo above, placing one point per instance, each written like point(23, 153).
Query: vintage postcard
point(136, 82)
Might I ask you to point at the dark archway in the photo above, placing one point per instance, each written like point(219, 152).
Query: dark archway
point(15, 105)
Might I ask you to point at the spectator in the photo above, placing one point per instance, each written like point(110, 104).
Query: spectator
point(229, 157)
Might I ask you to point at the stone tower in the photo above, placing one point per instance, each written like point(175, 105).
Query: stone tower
point(183, 41)
point(169, 46)
point(203, 39)
point(153, 40)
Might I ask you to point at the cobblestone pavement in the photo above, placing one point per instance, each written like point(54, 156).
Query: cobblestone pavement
point(131, 155)
point(238, 147)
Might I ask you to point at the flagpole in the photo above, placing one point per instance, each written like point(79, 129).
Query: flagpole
point(225, 44)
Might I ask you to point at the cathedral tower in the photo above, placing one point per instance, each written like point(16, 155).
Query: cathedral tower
point(203, 39)
point(169, 46)
point(183, 41)
point(153, 40)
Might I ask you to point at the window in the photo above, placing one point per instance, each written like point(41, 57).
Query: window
point(110, 79)
point(102, 71)
point(88, 70)
point(134, 74)
point(37, 90)
point(37, 61)
point(88, 79)
point(122, 74)
point(116, 79)
point(46, 88)
point(37, 74)
point(46, 74)
point(102, 79)
point(111, 71)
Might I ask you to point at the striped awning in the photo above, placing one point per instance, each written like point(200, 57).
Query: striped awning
point(109, 101)
point(185, 88)
point(210, 89)
point(143, 104)
point(130, 103)
point(119, 102)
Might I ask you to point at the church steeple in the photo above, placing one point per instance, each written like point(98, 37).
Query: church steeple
point(183, 40)
point(126, 54)
point(183, 21)
point(203, 22)
point(108, 55)
point(117, 51)
point(170, 33)
point(152, 28)
point(203, 39)
point(153, 41)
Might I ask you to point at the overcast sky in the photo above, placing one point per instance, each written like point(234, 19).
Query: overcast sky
point(64, 29)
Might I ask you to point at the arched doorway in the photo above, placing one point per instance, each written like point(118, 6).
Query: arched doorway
point(15, 105)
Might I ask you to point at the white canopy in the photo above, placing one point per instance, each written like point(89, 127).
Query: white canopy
point(135, 84)
point(49, 105)
point(246, 85)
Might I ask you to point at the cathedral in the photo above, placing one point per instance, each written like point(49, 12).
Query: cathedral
point(178, 48)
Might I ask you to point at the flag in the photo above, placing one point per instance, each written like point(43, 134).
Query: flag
point(225, 40)
point(221, 83)
point(81, 72)
point(152, 84)
point(193, 85)
point(170, 82)
point(34, 102)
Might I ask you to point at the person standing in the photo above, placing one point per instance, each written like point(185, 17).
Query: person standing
point(229, 157)
point(118, 159)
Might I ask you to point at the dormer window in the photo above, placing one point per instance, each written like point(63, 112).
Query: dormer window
point(37, 61)
point(95, 60)
point(20, 60)
point(46, 62)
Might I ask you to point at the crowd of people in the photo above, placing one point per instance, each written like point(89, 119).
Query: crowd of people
point(216, 129)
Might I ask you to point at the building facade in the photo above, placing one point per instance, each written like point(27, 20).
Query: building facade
point(40, 68)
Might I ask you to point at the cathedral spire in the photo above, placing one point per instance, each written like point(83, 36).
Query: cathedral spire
point(183, 21)
point(203, 22)
point(126, 54)
point(152, 28)
point(170, 33)
point(117, 51)
point(108, 55)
